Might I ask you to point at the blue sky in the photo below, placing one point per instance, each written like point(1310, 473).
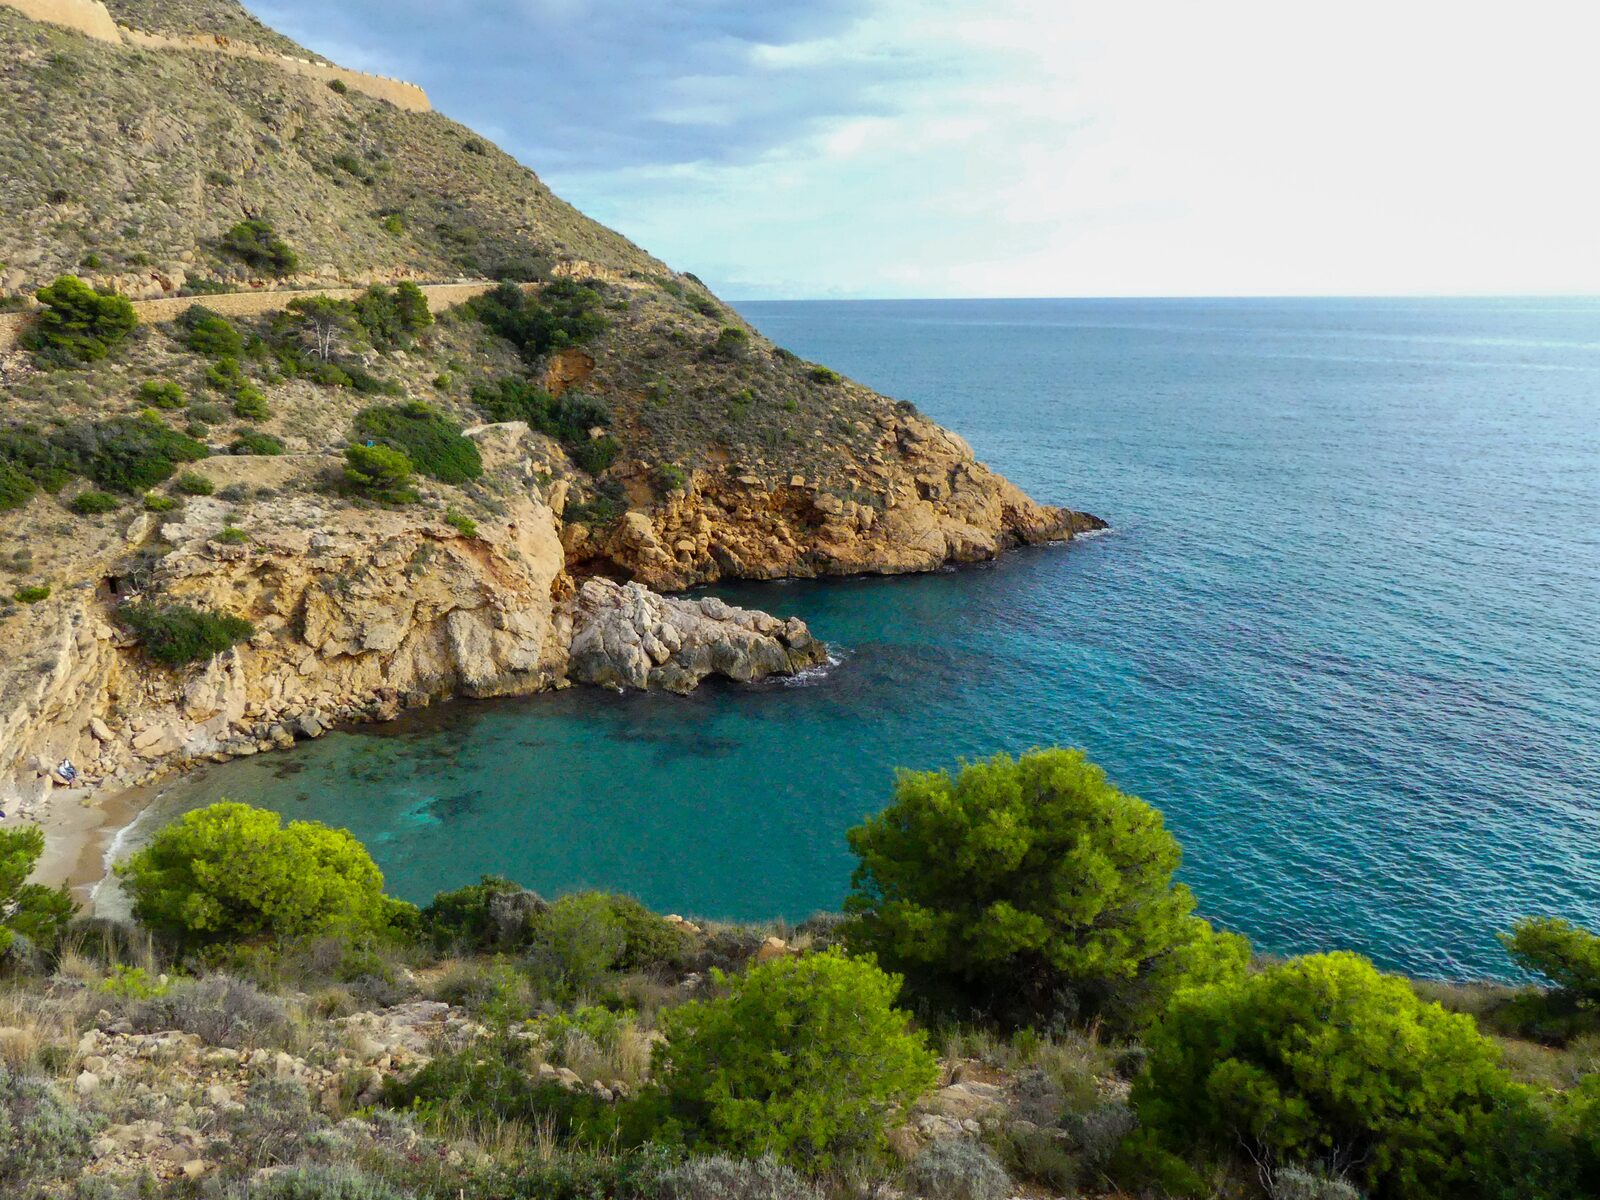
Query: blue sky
point(864, 148)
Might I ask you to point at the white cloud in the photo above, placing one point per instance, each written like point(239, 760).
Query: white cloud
point(1052, 147)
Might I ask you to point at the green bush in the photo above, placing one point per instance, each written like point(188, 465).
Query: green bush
point(1032, 890)
point(16, 488)
point(232, 873)
point(340, 86)
point(483, 1083)
point(42, 461)
point(461, 523)
point(157, 503)
point(250, 405)
point(392, 318)
point(251, 441)
point(177, 635)
point(1324, 1060)
point(575, 943)
point(31, 595)
point(594, 455)
point(1560, 951)
point(258, 245)
point(161, 393)
point(87, 504)
point(563, 313)
point(380, 472)
point(488, 914)
point(805, 1059)
point(315, 1182)
point(233, 536)
point(79, 324)
point(671, 478)
point(430, 440)
point(732, 342)
point(826, 375)
point(31, 910)
point(128, 454)
point(192, 483)
point(210, 333)
point(41, 1136)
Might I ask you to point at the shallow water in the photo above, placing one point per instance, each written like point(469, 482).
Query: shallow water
point(1343, 634)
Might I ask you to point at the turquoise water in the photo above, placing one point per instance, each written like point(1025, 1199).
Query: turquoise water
point(1344, 635)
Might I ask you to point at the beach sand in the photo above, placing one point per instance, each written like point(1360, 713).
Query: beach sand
point(80, 826)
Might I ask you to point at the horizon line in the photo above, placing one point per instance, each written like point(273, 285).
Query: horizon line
point(1169, 296)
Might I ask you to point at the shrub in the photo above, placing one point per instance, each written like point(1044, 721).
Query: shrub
point(225, 375)
point(732, 342)
point(157, 503)
point(576, 942)
point(250, 405)
point(207, 414)
point(1291, 1183)
point(805, 1059)
point(671, 478)
point(492, 913)
point(563, 313)
point(461, 523)
point(427, 437)
point(314, 1182)
point(192, 483)
point(717, 1177)
point(16, 488)
point(484, 1083)
point(79, 324)
point(1030, 889)
point(340, 86)
point(229, 873)
point(1562, 952)
point(232, 535)
point(269, 1128)
point(380, 472)
point(258, 245)
point(91, 503)
point(391, 318)
point(176, 635)
point(41, 1137)
point(42, 461)
point(957, 1170)
point(594, 455)
point(251, 441)
point(1322, 1059)
point(31, 910)
point(161, 393)
point(31, 594)
point(128, 454)
point(210, 333)
point(219, 1010)
point(826, 375)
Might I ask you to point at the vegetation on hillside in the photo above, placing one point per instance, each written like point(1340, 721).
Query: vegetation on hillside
point(593, 1049)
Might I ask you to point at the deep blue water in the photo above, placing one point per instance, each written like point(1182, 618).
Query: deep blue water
point(1346, 635)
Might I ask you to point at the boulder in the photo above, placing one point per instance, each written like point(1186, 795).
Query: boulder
point(626, 636)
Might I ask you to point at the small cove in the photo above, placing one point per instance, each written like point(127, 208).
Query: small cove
point(1342, 635)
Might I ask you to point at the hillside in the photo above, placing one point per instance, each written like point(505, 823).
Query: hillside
point(620, 421)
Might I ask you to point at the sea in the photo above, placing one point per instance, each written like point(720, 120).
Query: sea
point(1344, 633)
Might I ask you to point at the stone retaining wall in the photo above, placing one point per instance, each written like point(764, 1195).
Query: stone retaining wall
point(91, 18)
point(397, 92)
point(249, 304)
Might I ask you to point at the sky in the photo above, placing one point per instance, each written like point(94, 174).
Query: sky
point(937, 148)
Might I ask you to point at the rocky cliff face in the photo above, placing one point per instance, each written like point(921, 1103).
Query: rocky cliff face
point(359, 613)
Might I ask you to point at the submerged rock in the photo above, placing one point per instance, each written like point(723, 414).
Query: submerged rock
point(624, 635)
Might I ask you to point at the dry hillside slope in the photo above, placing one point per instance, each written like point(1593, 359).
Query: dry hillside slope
point(620, 423)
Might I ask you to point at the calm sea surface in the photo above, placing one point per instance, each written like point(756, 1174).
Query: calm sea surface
point(1346, 635)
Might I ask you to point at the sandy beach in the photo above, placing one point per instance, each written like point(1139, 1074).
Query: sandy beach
point(80, 826)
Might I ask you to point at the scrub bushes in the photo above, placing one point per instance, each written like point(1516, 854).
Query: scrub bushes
point(250, 441)
point(161, 393)
point(430, 440)
point(1563, 953)
point(128, 454)
point(258, 245)
point(88, 504)
point(1031, 890)
point(561, 314)
point(232, 873)
point(569, 419)
point(210, 333)
point(804, 1059)
point(28, 910)
point(177, 635)
point(78, 324)
point(41, 1136)
point(1324, 1061)
point(380, 472)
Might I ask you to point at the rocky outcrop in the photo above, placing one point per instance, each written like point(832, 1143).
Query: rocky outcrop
point(624, 635)
point(919, 502)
